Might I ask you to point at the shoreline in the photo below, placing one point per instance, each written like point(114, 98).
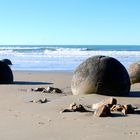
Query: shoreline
point(49, 71)
point(69, 71)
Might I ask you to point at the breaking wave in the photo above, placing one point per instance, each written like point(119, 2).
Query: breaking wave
point(63, 57)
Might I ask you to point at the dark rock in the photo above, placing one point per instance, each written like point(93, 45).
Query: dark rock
point(101, 75)
point(49, 89)
point(40, 89)
point(117, 107)
point(75, 108)
point(7, 61)
point(43, 100)
point(125, 109)
point(6, 75)
point(129, 109)
point(57, 90)
point(53, 90)
point(102, 111)
point(134, 72)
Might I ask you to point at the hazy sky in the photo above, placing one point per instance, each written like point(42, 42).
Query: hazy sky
point(70, 22)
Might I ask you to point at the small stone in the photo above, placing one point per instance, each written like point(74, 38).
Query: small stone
point(49, 89)
point(32, 101)
point(110, 102)
point(117, 107)
point(72, 105)
point(38, 89)
point(129, 109)
point(75, 108)
point(43, 100)
point(32, 89)
point(41, 123)
point(57, 90)
point(80, 108)
point(44, 91)
point(102, 111)
point(40, 101)
point(125, 109)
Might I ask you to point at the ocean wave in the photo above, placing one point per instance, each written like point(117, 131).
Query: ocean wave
point(60, 58)
point(76, 52)
point(71, 52)
point(65, 48)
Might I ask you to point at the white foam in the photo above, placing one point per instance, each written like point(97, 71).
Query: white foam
point(59, 58)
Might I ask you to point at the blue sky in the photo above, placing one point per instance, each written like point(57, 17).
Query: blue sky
point(61, 22)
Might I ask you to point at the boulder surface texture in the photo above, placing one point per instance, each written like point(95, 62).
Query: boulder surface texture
point(6, 75)
point(101, 75)
point(134, 72)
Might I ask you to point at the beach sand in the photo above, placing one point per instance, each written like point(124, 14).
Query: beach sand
point(21, 119)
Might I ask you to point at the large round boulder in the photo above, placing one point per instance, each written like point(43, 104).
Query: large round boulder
point(101, 75)
point(6, 75)
point(7, 61)
point(134, 72)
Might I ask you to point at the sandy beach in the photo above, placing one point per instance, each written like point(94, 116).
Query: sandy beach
point(21, 119)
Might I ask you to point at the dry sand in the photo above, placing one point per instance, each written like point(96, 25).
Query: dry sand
point(20, 119)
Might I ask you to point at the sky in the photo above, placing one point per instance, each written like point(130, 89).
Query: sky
point(69, 22)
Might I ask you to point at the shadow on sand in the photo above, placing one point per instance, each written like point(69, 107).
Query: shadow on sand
point(134, 94)
point(31, 83)
point(137, 112)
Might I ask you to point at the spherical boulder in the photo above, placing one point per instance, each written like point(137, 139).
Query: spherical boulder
point(7, 61)
point(6, 75)
point(134, 72)
point(101, 75)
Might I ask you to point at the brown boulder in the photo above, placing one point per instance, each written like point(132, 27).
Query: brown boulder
point(134, 72)
point(102, 111)
point(109, 101)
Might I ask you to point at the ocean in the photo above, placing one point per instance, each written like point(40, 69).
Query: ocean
point(64, 57)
